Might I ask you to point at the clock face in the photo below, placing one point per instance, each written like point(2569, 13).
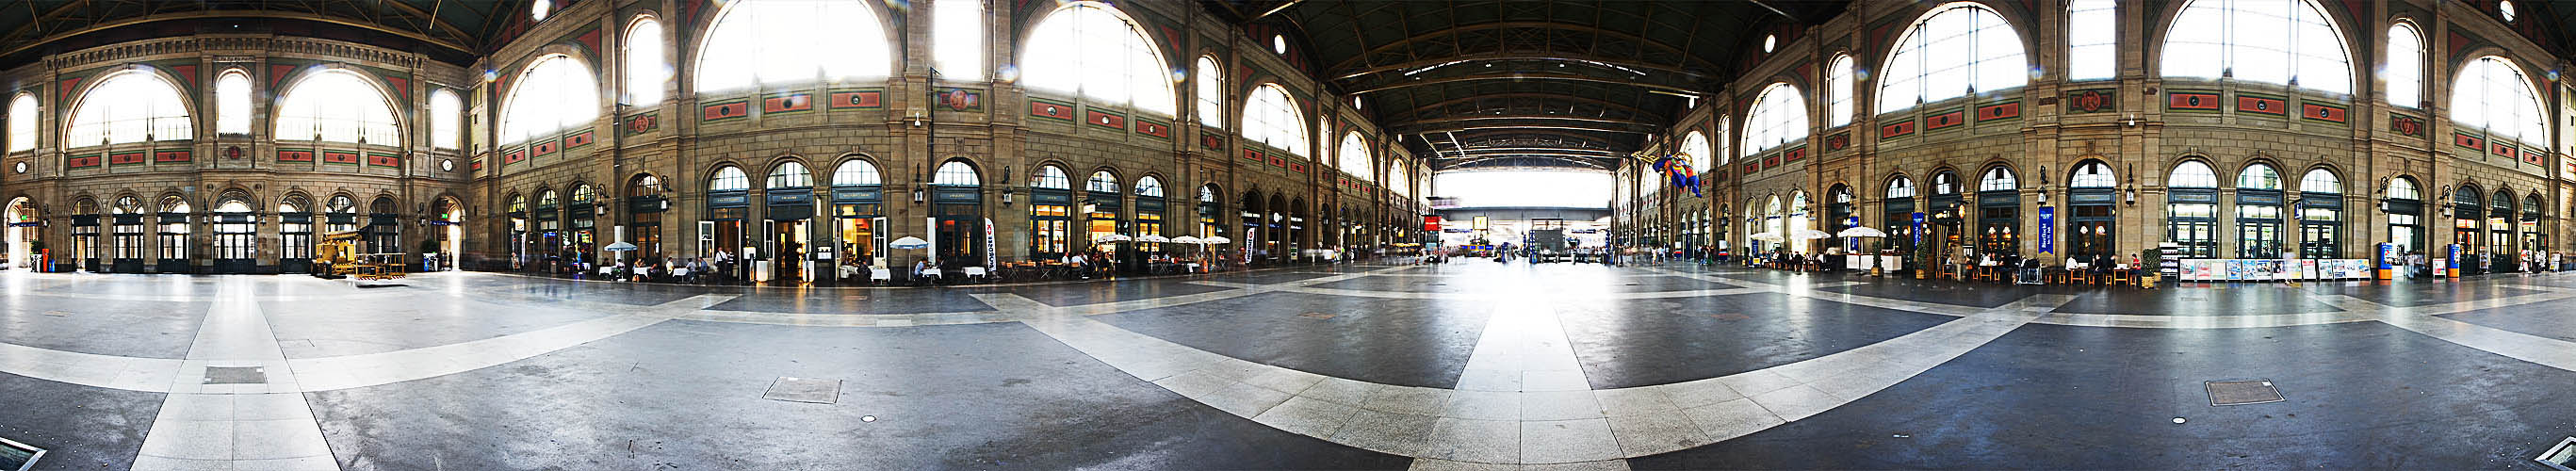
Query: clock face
point(21, 167)
point(447, 165)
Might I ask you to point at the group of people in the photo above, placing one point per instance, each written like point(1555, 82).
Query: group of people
point(664, 268)
point(2416, 265)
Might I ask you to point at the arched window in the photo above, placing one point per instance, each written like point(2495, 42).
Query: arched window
point(335, 105)
point(1051, 177)
point(1101, 181)
point(1695, 150)
point(855, 173)
point(2192, 174)
point(956, 173)
point(553, 94)
point(2492, 94)
point(583, 193)
point(1998, 179)
point(644, 185)
point(1207, 194)
point(2404, 189)
point(22, 122)
point(957, 38)
point(2320, 181)
point(2092, 39)
point(1945, 183)
point(1838, 91)
point(729, 178)
point(2269, 41)
point(1900, 187)
point(1779, 116)
point(1399, 177)
point(1211, 93)
point(2092, 174)
point(1091, 48)
point(749, 45)
point(446, 114)
point(232, 102)
point(2258, 177)
point(1272, 118)
point(1150, 187)
point(1354, 156)
point(2405, 71)
point(538, 10)
point(646, 72)
point(1724, 149)
point(1954, 50)
point(131, 106)
point(790, 175)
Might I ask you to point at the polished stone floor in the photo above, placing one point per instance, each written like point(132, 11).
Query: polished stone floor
point(1470, 365)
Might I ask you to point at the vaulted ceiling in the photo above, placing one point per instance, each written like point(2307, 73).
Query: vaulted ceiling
point(448, 30)
point(1517, 83)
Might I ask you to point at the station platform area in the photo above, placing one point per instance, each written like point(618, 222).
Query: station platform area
point(1465, 365)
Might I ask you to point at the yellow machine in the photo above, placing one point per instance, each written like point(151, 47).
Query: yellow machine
point(337, 256)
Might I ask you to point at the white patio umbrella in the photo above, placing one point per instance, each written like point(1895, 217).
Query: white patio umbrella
point(1861, 231)
point(1765, 236)
point(1812, 234)
point(909, 243)
point(1154, 238)
point(1187, 240)
point(1112, 238)
point(1217, 240)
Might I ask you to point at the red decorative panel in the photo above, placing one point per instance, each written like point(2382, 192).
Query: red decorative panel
point(125, 158)
point(66, 87)
point(1105, 119)
point(1940, 121)
point(643, 123)
point(384, 160)
point(1253, 155)
point(1838, 141)
point(1276, 161)
point(294, 155)
point(2500, 148)
point(1750, 167)
point(170, 156)
point(543, 148)
point(1151, 128)
point(2533, 157)
point(578, 140)
point(514, 156)
point(1897, 129)
point(1794, 155)
point(2469, 141)
point(787, 103)
point(2262, 105)
point(2322, 112)
point(2407, 125)
point(726, 110)
point(81, 161)
point(858, 99)
point(2192, 101)
point(1049, 109)
point(1997, 111)
point(337, 157)
point(1296, 167)
point(1211, 141)
point(1771, 162)
point(278, 73)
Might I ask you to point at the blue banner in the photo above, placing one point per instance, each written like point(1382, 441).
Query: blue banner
point(1850, 244)
point(2048, 230)
point(1918, 228)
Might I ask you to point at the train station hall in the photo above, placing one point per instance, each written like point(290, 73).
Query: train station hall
point(286, 235)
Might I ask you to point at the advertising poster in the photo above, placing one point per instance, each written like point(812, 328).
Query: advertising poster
point(991, 258)
point(2308, 269)
point(2235, 270)
point(2047, 230)
point(1918, 228)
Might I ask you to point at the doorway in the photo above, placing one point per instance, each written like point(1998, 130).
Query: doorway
point(788, 238)
point(21, 238)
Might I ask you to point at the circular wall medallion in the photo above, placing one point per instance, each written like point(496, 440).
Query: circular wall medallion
point(21, 167)
point(447, 165)
point(232, 152)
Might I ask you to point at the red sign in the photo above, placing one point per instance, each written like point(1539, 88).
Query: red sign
point(1431, 223)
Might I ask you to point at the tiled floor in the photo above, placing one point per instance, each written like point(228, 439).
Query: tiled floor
point(1470, 365)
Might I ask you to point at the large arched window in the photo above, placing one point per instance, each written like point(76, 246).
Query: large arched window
point(22, 122)
point(1778, 116)
point(1399, 178)
point(957, 38)
point(1695, 150)
point(1998, 179)
point(1091, 48)
point(776, 43)
point(857, 173)
point(2405, 71)
point(2092, 174)
point(232, 102)
point(2092, 39)
point(1900, 187)
point(1211, 93)
point(646, 72)
point(1725, 150)
point(1838, 91)
point(2270, 41)
point(1101, 181)
point(790, 175)
point(446, 113)
point(1954, 50)
point(335, 105)
point(729, 178)
point(131, 106)
point(956, 173)
point(1150, 187)
point(1355, 157)
point(2403, 188)
point(1272, 118)
point(1051, 177)
point(2258, 177)
point(2493, 95)
point(553, 94)
point(2192, 174)
point(2320, 181)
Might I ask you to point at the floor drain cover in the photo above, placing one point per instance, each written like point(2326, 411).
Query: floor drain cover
point(818, 391)
point(236, 375)
point(16, 456)
point(1316, 316)
point(2559, 457)
point(2237, 393)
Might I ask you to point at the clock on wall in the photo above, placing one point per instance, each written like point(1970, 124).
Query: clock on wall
point(21, 167)
point(447, 165)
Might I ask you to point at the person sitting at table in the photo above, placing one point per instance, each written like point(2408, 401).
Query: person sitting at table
point(2029, 270)
point(2102, 264)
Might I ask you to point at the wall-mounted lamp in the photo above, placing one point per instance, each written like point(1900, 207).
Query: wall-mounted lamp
point(2043, 197)
point(916, 194)
point(2131, 121)
point(2133, 196)
point(1006, 196)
